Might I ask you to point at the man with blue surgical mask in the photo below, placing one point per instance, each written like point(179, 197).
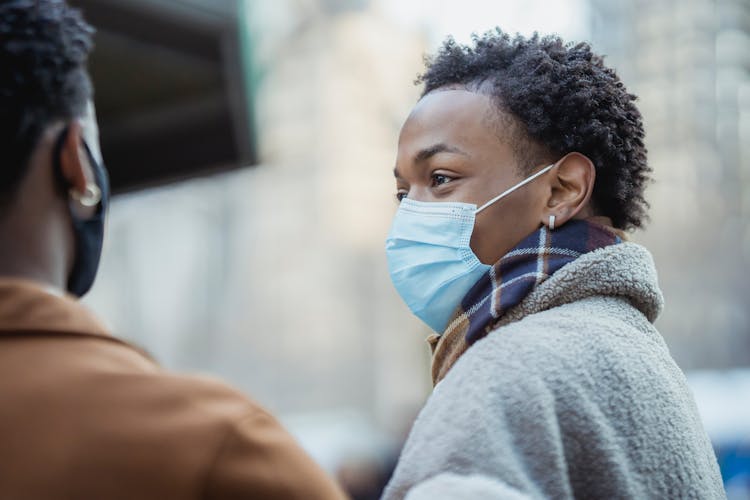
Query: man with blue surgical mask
point(518, 173)
point(84, 415)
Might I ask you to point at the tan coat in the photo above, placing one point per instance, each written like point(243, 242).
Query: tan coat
point(84, 415)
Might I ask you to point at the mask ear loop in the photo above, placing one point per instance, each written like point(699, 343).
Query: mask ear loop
point(513, 188)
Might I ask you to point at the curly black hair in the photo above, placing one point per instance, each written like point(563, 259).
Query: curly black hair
point(44, 47)
point(563, 99)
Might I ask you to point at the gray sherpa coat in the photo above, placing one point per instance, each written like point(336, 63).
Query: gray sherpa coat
point(574, 395)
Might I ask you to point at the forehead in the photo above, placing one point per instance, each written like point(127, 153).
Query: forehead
point(453, 116)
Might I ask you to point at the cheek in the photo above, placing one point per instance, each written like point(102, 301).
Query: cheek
point(500, 228)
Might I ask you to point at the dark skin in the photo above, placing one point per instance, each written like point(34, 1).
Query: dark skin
point(35, 228)
point(452, 148)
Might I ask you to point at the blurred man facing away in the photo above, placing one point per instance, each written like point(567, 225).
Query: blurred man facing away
point(83, 414)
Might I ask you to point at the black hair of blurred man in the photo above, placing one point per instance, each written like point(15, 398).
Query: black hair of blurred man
point(48, 140)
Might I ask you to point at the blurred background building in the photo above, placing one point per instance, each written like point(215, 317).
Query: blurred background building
point(689, 62)
point(252, 142)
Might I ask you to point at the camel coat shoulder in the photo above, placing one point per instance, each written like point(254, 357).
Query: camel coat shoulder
point(85, 415)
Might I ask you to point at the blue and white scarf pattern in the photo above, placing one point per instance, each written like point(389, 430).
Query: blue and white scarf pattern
point(522, 269)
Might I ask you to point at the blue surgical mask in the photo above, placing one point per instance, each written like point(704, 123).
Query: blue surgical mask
point(429, 256)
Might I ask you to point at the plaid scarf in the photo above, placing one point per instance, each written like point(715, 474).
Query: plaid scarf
point(529, 264)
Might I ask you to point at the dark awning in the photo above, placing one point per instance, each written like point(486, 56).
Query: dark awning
point(171, 89)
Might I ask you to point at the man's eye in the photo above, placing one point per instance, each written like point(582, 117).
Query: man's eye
point(400, 195)
point(439, 179)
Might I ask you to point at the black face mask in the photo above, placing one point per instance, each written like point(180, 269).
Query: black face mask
point(89, 233)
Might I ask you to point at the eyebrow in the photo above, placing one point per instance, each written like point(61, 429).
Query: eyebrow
point(427, 153)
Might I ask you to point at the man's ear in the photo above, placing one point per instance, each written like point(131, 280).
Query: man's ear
point(74, 162)
point(571, 186)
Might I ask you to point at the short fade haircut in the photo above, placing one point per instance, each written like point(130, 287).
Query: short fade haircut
point(44, 47)
point(562, 99)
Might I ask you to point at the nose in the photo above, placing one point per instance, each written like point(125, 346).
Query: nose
point(420, 193)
